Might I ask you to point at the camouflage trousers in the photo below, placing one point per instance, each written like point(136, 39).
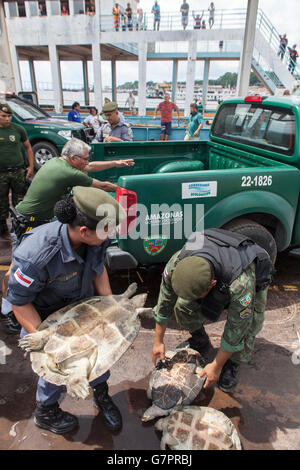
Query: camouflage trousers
point(15, 181)
point(245, 314)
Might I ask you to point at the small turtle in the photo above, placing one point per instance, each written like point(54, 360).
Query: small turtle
point(80, 342)
point(174, 382)
point(198, 428)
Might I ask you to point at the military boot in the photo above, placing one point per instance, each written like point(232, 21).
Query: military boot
point(228, 376)
point(9, 323)
point(54, 419)
point(110, 413)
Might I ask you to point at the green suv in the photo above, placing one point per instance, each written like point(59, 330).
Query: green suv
point(47, 135)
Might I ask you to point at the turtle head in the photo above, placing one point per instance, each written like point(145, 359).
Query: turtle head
point(154, 412)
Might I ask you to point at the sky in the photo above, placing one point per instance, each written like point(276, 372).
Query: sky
point(284, 19)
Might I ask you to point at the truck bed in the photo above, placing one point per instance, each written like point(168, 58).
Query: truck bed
point(230, 183)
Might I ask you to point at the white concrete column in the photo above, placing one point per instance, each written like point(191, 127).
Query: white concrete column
point(86, 88)
point(247, 49)
point(56, 78)
point(32, 75)
point(16, 68)
point(142, 77)
point(11, 9)
point(114, 79)
point(205, 82)
point(31, 8)
point(7, 81)
point(97, 8)
point(53, 7)
point(190, 76)
point(71, 8)
point(96, 53)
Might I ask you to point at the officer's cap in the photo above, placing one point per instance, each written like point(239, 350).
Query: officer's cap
point(191, 277)
point(98, 204)
point(5, 108)
point(109, 107)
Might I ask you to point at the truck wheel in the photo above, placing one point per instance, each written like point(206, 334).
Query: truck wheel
point(257, 232)
point(42, 152)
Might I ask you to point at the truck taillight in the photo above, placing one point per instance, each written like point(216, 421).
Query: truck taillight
point(128, 200)
point(253, 99)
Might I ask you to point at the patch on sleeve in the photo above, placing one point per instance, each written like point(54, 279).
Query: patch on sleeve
point(22, 279)
point(246, 300)
point(245, 313)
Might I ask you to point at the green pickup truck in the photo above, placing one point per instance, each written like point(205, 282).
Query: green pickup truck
point(246, 178)
point(46, 134)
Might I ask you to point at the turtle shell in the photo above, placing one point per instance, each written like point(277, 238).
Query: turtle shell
point(198, 428)
point(100, 329)
point(175, 381)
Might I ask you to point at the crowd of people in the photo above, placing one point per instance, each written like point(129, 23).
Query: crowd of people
point(291, 51)
point(110, 125)
point(107, 126)
point(123, 19)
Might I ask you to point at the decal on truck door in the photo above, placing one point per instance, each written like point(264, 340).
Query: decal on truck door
point(199, 189)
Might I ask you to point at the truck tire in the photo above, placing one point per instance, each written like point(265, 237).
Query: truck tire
point(257, 232)
point(42, 152)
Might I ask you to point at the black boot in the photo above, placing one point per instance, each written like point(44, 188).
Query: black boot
point(199, 340)
point(228, 377)
point(54, 419)
point(110, 413)
point(9, 323)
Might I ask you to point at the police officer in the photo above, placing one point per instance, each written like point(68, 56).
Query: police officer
point(51, 183)
point(115, 130)
point(12, 168)
point(56, 264)
point(217, 271)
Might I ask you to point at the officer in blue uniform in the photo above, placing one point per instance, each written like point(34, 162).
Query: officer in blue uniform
point(57, 264)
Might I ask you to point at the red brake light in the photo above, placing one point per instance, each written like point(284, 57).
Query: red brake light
point(128, 200)
point(253, 99)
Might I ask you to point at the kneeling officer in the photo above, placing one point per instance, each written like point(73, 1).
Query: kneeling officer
point(220, 270)
point(57, 264)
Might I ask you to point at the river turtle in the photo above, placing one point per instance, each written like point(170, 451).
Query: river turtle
point(198, 428)
point(174, 382)
point(80, 342)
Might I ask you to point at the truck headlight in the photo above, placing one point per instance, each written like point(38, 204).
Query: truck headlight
point(66, 134)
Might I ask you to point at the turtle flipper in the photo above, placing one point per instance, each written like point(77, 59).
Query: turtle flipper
point(129, 291)
point(34, 341)
point(78, 387)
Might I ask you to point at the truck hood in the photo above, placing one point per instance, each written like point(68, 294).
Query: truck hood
point(54, 123)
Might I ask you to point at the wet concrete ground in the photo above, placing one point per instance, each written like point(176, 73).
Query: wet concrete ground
point(264, 407)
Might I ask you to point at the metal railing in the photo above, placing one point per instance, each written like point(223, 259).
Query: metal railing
point(272, 36)
point(223, 19)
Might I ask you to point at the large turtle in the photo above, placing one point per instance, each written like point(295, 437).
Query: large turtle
point(80, 342)
point(174, 382)
point(198, 428)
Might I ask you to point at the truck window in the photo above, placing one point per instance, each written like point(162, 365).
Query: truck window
point(24, 111)
point(265, 127)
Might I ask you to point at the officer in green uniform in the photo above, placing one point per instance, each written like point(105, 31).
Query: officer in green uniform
point(12, 168)
point(221, 270)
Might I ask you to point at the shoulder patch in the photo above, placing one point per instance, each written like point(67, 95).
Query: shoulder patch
point(245, 313)
point(246, 300)
point(22, 278)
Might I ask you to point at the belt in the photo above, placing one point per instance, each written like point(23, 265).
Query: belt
point(4, 170)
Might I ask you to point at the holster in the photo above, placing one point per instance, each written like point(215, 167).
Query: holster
point(21, 224)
